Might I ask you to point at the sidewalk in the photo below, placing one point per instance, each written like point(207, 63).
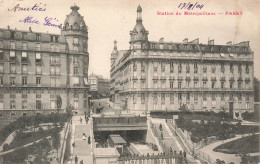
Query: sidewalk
point(82, 148)
point(222, 156)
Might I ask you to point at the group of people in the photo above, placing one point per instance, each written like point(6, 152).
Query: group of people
point(84, 138)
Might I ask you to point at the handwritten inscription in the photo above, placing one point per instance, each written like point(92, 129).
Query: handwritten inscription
point(48, 21)
point(190, 6)
point(36, 7)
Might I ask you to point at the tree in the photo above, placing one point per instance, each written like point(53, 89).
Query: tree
point(5, 147)
point(59, 103)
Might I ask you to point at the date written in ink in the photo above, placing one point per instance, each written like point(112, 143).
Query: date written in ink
point(190, 6)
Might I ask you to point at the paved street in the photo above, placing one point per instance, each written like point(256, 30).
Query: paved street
point(82, 148)
point(218, 155)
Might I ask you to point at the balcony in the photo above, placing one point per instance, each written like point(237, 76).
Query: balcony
point(213, 79)
point(163, 78)
point(204, 79)
point(142, 78)
point(24, 60)
point(54, 61)
point(240, 79)
point(12, 59)
point(231, 79)
point(222, 79)
point(171, 78)
point(155, 78)
point(135, 78)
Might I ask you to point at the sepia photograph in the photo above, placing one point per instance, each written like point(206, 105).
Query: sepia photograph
point(129, 82)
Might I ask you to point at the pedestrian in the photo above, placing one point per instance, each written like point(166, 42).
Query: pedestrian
point(89, 140)
point(160, 127)
point(80, 120)
point(162, 135)
point(76, 159)
point(81, 162)
point(84, 136)
point(184, 154)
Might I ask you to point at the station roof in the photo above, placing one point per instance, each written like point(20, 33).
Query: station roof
point(117, 139)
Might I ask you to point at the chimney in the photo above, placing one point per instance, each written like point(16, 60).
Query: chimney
point(8, 27)
point(30, 29)
point(211, 42)
point(229, 43)
point(185, 40)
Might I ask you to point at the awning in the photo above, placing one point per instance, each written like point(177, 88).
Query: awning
point(231, 55)
point(12, 54)
point(38, 56)
point(222, 55)
point(76, 80)
point(85, 81)
point(24, 54)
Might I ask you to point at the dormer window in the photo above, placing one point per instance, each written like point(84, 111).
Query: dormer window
point(38, 37)
point(12, 34)
point(76, 40)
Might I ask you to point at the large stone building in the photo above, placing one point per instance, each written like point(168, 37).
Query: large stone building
point(99, 86)
point(37, 67)
point(159, 76)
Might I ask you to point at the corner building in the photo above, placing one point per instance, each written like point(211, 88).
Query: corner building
point(160, 76)
point(37, 67)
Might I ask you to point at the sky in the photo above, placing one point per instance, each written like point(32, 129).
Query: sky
point(114, 19)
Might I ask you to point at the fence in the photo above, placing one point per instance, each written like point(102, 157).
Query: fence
point(190, 145)
point(67, 130)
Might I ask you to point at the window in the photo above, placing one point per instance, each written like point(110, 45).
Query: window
point(1, 80)
point(171, 67)
point(24, 80)
point(239, 97)
point(163, 97)
point(212, 84)
point(171, 84)
point(38, 81)
point(187, 84)
point(171, 98)
point(222, 67)
point(142, 67)
point(188, 69)
point(38, 70)
point(24, 94)
point(38, 37)
point(247, 105)
point(179, 84)
point(24, 69)
point(204, 97)
point(231, 68)
point(12, 104)
point(12, 68)
point(163, 84)
point(38, 47)
point(247, 69)
point(196, 97)
point(213, 69)
point(38, 57)
point(52, 48)
point(56, 39)
point(213, 97)
point(76, 81)
point(12, 80)
point(53, 104)
point(75, 59)
point(204, 69)
point(179, 68)
point(155, 97)
point(76, 104)
point(52, 82)
point(247, 97)
point(76, 71)
point(76, 49)
point(204, 84)
point(1, 55)
point(1, 68)
point(231, 85)
point(222, 84)
point(57, 70)
point(38, 104)
point(24, 46)
point(195, 84)
point(155, 66)
point(179, 96)
point(24, 104)
point(155, 83)
point(38, 94)
point(76, 40)
point(142, 97)
point(12, 45)
point(222, 96)
point(195, 66)
point(12, 94)
point(188, 97)
point(239, 85)
point(163, 66)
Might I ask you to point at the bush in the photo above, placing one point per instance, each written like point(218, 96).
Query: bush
point(5, 147)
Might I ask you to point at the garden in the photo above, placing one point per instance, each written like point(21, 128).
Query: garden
point(212, 125)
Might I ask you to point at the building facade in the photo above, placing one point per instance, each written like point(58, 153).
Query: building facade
point(99, 86)
point(160, 76)
point(37, 67)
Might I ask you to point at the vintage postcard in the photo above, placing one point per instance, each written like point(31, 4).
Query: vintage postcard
point(129, 81)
